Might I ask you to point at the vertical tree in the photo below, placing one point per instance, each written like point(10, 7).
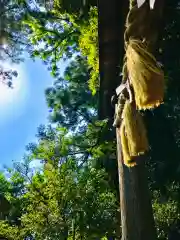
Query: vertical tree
point(136, 210)
point(139, 71)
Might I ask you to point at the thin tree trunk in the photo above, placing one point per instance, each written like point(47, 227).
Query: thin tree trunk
point(136, 210)
point(111, 18)
point(137, 221)
point(111, 25)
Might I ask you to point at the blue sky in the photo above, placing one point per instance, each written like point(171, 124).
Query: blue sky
point(23, 109)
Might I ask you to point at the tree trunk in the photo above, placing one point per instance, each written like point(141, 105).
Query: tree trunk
point(136, 210)
point(111, 18)
point(111, 25)
point(137, 221)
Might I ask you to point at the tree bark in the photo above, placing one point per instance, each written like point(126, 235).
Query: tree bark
point(111, 19)
point(111, 25)
point(137, 222)
point(136, 210)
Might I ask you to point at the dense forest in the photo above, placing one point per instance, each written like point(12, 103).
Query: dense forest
point(74, 192)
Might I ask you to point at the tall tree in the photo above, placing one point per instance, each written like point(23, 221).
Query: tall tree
point(135, 202)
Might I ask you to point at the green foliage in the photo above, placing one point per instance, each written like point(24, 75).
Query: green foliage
point(69, 197)
point(89, 46)
point(71, 101)
point(52, 38)
point(12, 37)
point(8, 232)
point(166, 210)
point(58, 34)
point(61, 201)
point(56, 202)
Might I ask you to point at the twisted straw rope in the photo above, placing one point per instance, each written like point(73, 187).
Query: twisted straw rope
point(137, 22)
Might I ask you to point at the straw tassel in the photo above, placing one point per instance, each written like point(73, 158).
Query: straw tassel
point(145, 75)
point(133, 135)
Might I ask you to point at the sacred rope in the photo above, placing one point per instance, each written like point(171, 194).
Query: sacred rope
point(143, 79)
